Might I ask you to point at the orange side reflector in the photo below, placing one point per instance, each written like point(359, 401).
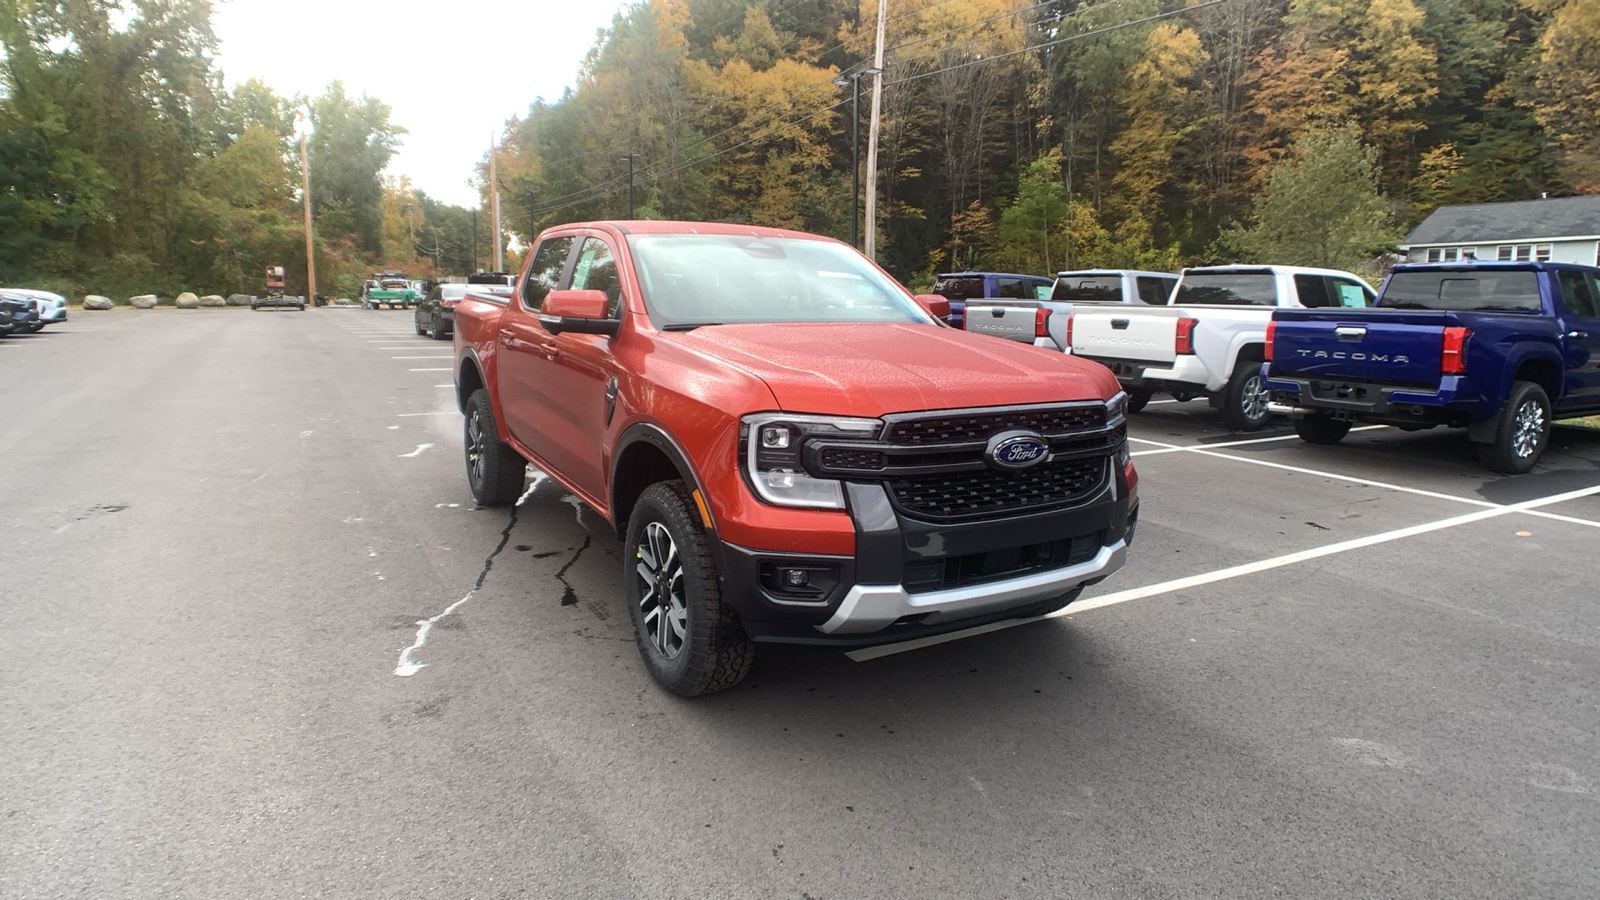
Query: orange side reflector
point(705, 514)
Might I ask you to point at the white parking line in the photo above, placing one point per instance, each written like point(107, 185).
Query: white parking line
point(444, 385)
point(445, 369)
point(422, 357)
point(442, 412)
point(1177, 448)
point(1263, 565)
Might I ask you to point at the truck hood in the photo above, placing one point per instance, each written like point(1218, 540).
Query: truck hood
point(869, 369)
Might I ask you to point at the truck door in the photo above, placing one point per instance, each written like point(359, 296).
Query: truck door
point(1581, 339)
point(525, 346)
point(576, 377)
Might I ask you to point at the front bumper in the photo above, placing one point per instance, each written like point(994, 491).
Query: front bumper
point(910, 579)
point(53, 316)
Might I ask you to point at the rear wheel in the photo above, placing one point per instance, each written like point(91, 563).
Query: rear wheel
point(1244, 402)
point(1321, 429)
point(691, 642)
point(438, 329)
point(1137, 399)
point(420, 329)
point(1521, 431)
point(495, 471)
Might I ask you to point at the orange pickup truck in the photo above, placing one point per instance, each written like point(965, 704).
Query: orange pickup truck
point(792, 447)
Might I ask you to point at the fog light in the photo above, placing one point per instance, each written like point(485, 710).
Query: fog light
point(796, 578)
point(774, 437)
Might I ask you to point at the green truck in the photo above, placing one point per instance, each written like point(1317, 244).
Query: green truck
point(388, 288)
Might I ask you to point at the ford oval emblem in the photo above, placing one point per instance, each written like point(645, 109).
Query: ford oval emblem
point(1012, 450)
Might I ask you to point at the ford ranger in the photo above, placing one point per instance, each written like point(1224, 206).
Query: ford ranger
point(791, 446)
point(1500, 349)
point(1210, 339)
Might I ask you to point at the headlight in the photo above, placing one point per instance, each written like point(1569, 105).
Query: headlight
point(772, 443)
point(1117, 409)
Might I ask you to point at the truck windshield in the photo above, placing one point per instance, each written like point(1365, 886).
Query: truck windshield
point(690, 280)
point(1088, 289)
point(1227, 289)
point(1462, 289)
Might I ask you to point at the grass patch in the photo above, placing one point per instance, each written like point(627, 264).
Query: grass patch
point(1590, 422)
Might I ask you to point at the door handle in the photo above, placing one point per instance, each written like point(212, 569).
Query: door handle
point(1579, 335)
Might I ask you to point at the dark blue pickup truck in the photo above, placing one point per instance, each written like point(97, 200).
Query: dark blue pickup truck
point(1500, 349)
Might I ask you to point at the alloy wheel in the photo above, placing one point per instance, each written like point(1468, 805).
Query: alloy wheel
point(475, 447)
point(1253, 400)
point(661, 606)
point(1529, 429)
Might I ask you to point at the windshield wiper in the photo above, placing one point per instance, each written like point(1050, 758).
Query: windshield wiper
point(687, 326)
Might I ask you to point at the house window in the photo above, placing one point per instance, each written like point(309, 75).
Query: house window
point(1503, 252)
point(1541, 252)
point(1450, 254)
point(1524, 252)
point(1435, 254)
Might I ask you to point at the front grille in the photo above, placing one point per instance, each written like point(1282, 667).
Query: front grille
point(988, 493)
point(841, 458)
point(993, 565)
point(976, 426)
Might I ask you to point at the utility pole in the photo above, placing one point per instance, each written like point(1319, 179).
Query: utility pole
point(411, 226)
point(474, 241)
point(630, 158)
point(854, 79)
point(305, 187)
point(872, 136)
point(494, 206)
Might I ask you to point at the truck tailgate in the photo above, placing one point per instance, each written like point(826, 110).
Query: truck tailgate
point(1147, 335)
point(1390, 347)
point(1010, 319)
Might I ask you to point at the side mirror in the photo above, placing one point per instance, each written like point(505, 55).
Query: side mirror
point(937, 306)
point(581, 312)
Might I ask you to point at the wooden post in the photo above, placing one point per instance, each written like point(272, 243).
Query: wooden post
point(494, 207)
point(871, 248)
point(311, 259)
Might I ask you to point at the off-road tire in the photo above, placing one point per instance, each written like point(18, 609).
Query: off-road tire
point(1321, 429)
point(495, 471)
point(1521, 431)
point(1244, 403)
point(713, 652)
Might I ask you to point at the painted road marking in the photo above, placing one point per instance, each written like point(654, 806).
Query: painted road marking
point(423, 357)
point(1179, 448)
point(445, 369)
point(1231, 572)
point(443, 412)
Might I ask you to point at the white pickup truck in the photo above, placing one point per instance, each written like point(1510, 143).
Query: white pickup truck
point(1210, 339)
point(1043, 323)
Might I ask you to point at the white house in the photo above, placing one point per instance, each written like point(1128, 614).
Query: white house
point(1566, 229)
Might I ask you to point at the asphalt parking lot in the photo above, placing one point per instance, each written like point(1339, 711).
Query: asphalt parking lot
point(259, 643)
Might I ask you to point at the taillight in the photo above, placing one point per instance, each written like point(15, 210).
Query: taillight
point(1272, 332)
point(1453, 358)
point(1041, 316)
point(1069, 334)
point(1184, 344)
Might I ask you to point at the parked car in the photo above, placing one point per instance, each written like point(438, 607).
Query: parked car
point(436, 312)
point(1500, 349)
point(1044, 322)
point(52, 307)
point(278, 301)
point(961, 287)
point(790, 445)
point(18, 314)
point(1210, 340)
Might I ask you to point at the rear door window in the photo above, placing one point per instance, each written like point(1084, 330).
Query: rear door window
point(1350, 294)
point(1313, 291)
point(1153, 291)
point(959, 288)
point(1010, 288)
point(544, 275)
point(1578, 289)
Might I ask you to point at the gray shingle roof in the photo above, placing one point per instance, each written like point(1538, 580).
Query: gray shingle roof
point(1520, 220)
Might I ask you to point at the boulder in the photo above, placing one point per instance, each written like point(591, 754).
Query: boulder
point(239, 299)
point(143, 301)
point(95, 301)
point(213, 300)
point(187, 300)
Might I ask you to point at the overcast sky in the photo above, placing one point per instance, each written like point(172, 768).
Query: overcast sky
point(452, 72)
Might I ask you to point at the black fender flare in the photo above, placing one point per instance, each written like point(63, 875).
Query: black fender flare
point(468, 356)
point(658, 438)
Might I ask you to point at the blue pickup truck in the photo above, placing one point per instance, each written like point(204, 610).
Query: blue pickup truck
point(959, 287)
point(1500, 349)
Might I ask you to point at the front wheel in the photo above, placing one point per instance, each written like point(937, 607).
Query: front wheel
point(1521, 431)
point(495, 471)
point(1244, 401)
point(1321, 429)
point(691, 642)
